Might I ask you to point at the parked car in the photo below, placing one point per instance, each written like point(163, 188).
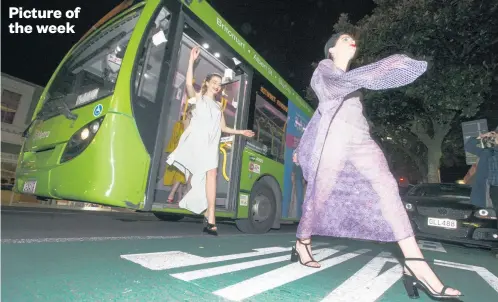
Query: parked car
point(404, 189)
point(444, 212)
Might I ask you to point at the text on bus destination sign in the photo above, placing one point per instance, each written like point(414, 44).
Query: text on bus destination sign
point(273, 99)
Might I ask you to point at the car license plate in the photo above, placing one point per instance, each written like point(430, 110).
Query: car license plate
point(29, 186)
point(442, 223)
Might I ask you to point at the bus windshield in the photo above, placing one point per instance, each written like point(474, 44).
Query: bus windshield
point(91, 71)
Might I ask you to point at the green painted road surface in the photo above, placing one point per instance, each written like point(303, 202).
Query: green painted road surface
point(227, 268)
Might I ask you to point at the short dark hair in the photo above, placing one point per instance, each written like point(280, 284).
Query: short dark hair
point(331, 43)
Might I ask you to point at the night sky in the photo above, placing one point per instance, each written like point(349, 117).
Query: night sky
point(289, 34)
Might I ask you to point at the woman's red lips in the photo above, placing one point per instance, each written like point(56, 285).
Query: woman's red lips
point(353, 45)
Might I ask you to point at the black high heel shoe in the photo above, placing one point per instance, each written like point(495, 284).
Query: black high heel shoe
point(209, 228)
point(412, 284)
point(295, 256)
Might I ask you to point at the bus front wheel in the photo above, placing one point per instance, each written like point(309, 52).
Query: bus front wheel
point(168, 216)
point(261, 212)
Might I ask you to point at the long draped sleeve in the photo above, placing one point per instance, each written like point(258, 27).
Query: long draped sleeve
point(331, 84)
point(350, 191)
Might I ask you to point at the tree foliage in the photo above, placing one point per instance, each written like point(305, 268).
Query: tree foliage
point(455, 37)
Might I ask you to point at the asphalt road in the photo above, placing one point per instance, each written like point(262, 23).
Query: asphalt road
point(52, 255)
point(40, 223)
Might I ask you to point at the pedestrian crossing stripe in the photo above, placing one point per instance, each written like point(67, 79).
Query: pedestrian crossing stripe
point(231, 268)
point(431, 246)
point(366, 285)
point(283, 275)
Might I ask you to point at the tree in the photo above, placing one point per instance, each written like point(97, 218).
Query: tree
point(455, 37)
point(309, 94)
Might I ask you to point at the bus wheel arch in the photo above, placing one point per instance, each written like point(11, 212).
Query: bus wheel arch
point(265, 193)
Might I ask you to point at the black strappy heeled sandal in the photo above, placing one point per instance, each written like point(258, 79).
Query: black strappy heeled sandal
point(209, 228)
point(295, 256)
point(412, 284)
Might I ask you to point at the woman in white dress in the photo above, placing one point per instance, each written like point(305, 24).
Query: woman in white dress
point(197, 151)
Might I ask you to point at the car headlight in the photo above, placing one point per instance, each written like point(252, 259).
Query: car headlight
point(409, 207)
point(485, 214)
point(81, 139)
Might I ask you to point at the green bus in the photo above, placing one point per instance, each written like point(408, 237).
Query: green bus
point(101, 127)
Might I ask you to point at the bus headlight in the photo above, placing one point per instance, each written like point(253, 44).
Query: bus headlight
point(80, 140)
point(85, 133)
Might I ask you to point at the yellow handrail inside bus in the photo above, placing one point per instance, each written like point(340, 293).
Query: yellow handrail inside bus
point(185, 110)
point(224, 102)
point(224, 166)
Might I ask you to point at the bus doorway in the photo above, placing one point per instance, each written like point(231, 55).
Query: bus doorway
point(171, 185)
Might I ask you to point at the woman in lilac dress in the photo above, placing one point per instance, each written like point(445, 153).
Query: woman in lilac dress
point(351, 192)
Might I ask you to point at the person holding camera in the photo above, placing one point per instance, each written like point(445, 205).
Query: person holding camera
point(487, 168)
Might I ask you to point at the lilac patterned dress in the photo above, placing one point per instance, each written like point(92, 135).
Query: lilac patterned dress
point(351, 192)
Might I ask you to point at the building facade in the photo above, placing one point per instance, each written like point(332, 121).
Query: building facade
point(19, 99)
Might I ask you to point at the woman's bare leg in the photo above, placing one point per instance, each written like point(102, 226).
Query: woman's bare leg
point(211, 196)
point(184, 189)
point(303, 249)
point(421, 269)
point(173, 190)
point(369, 159)
point(330, 165)
point(188, 185)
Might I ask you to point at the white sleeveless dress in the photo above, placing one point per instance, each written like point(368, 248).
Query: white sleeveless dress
point(197, 151)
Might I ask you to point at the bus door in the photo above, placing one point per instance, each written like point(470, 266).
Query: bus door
point(232, 99)
point(169, 183)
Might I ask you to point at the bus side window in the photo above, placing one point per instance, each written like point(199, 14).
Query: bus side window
point(151, 58)
point(268, 114)
point(146, 106)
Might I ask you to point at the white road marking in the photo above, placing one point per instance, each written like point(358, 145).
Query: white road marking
point(225, 269)
point(175, 259)
point(281, 276)
point(431, 246)
point(46, 212)
point(85, 239)
point(378, 286)
point(366, 285)
point(454, 265)
point(489, 277)
point(91, 211)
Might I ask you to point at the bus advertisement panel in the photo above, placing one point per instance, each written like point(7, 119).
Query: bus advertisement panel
point(294, 183)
